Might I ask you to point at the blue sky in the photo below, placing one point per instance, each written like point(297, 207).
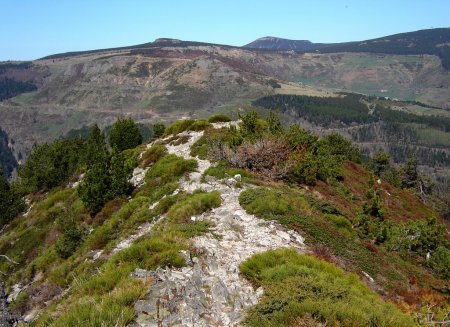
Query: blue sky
point(30, 29)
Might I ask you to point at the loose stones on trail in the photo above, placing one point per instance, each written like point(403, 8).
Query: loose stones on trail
point(209, 291)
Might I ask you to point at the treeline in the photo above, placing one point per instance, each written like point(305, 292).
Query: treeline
point(10, 88)
point(7, 160)
point(412, 43)
point(347, 110)
point(12, 65)
point(319, 110)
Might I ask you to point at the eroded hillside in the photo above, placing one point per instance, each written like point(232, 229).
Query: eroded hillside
point(183, 80)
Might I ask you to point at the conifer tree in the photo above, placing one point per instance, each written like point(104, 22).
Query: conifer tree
point(275, 125)
point(10, 202)
point(125, 134)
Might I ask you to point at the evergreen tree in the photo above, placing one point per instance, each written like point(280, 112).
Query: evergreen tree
point(275, 125)
point(380, 162)
point(10, 202)
point(120, 174)
point(107, 178)
point(125, 134)
point(95, 190)
point(410, 173)
point(299, 137)
point(158, 130)
point(96, 146)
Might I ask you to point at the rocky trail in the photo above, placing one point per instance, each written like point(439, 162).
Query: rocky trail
point(209, 290)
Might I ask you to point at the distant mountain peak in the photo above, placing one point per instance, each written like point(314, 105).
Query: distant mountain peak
point(277, 43)
point(167, 40)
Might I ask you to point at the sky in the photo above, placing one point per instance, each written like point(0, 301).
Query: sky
point(30, 29)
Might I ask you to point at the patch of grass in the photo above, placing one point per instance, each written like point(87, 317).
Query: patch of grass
point(274, 203)
point(169, 168)
point(341, 223)
point(219, 118)
point(300, 289)
point(195, 204)
point(222, 170)
point(110, 309)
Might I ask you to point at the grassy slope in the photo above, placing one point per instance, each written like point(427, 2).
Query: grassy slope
point(101, 290)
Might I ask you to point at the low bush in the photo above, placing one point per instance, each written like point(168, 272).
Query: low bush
point(219, 118)
point(301, 290)
point(187, 125)
point(152, 155)
point(179, 126)
point(440, 262)
point(199, 125)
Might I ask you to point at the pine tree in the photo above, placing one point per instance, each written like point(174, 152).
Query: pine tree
point(95, 190)
point(125, 134)
point(96, 146)
point(10, 202)
point(120, 174)
point(158, 131)
point(275, 125)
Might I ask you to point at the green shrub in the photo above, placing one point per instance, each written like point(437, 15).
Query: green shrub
point(440, 262)
point(11, 203)
point(219, 118)
point(158, 131)
point(252, 127)
point(51, 165)
point(124, 134)
point(300, 289)
point(70, 238)
point(199, 125)
point(213, 143)
point(274, 123)
point(104, 181)
point(179, 126)
point(299, 137)
point(152, 155)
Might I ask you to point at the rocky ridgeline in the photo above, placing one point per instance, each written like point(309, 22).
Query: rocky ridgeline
point(209, 291)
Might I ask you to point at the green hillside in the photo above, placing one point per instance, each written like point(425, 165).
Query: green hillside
point(111, 238)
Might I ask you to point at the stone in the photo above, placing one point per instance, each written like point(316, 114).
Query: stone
point(238, 177)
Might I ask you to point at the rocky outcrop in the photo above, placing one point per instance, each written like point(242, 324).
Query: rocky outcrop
point(6, 319)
